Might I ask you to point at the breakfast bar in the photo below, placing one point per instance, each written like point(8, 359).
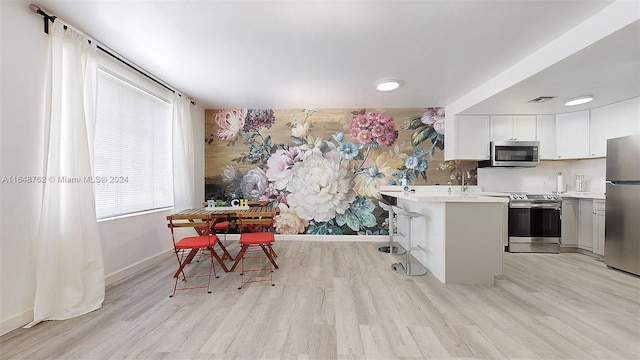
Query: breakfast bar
point(460, 238)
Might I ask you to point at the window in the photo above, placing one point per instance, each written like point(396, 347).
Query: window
point(132, 151)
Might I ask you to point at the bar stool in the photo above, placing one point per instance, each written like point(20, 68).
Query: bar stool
point(392, 248)
point(408, 268)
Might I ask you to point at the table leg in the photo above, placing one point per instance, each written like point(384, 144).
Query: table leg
point(239, 257)
point(187, 260)
point(225, 253)
point(220, 261)
point(267, 250)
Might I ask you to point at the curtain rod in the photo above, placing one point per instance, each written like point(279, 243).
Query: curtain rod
point(46, 17)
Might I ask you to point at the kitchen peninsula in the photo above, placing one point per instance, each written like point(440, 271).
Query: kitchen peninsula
point(462, 235)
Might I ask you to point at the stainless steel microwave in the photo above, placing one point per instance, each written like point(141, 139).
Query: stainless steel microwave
point(512, 154)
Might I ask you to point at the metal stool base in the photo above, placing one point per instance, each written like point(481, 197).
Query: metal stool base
point(411, 269)
point(394, 249)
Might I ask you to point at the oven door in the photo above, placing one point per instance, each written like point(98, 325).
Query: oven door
point(534, 227)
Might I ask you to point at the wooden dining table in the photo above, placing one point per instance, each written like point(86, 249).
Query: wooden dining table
point(221, 214)
point(230, 211)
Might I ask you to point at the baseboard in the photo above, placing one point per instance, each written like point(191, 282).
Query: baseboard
point(134, 268)
point(568, 249)
point(590, 253)
point(16, 321)
point(356, 238)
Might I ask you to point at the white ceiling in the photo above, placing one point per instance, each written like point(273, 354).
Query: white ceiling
point(609, 70)
point(330, 54)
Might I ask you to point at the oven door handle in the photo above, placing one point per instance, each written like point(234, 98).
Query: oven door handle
point(534, 206)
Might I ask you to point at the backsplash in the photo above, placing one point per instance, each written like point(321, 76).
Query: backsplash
point(543, 178)
point(594, 172)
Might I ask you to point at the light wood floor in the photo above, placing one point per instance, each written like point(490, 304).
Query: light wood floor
point(340, 300)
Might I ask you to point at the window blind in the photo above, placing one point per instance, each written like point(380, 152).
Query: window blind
point(132, 151)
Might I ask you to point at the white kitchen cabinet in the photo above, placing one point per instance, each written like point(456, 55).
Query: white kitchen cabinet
point(569, 234)
point(572, 135)
point(513, 127)
point(598, 226)
point(471, 138)
point(546, 135)
point(585, 224)
point(611, 121)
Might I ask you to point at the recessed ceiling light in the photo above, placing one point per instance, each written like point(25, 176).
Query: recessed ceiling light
point(388, 85)
point(579, 100)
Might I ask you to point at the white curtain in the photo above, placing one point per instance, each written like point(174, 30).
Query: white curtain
point(68, 256)
point(183, 159)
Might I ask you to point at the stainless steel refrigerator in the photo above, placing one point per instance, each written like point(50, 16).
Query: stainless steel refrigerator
point(622, 216)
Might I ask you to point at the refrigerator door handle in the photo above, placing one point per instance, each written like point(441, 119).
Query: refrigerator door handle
point(623, 183)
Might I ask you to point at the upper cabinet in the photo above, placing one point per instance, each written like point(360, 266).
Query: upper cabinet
point(471, 138)
point(584, 134)
point(546, 134)
point(513, 127)
point(613, 121)
point(572, 135)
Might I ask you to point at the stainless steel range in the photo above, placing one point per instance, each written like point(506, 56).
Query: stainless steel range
point(534, 223)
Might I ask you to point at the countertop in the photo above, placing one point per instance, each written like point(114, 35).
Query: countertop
point(470, 197)
point(583, 195)
point(567, 195)
point(472, 194)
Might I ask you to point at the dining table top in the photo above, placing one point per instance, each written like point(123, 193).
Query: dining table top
point(229, 211)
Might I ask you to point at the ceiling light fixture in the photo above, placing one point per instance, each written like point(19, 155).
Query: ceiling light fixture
point(388, 85)
point(579, 100)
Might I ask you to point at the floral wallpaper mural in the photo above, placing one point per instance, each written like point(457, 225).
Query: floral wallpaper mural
point(324, 168)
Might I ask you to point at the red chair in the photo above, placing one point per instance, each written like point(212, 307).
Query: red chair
point(256, 237)
point(187, 247)
point(221, 226)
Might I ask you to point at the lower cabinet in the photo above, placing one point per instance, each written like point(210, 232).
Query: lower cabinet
point(598, 227)
point(585, 224)
point(569, 231)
